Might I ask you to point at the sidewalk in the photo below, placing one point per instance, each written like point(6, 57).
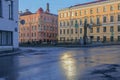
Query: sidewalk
point(88, 45)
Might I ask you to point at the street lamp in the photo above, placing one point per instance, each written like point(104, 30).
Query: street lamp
point(70, 21)
point(85, 32)
point(76, 28)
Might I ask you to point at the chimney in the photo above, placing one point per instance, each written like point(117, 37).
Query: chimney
point(47, 10)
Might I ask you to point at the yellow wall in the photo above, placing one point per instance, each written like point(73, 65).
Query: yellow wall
point(95, 14)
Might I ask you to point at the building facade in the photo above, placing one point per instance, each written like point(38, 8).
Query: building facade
point(38, 27)
point(102, 17)
point(8, 24)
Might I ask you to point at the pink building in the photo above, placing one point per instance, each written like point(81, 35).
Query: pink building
point(41, 26)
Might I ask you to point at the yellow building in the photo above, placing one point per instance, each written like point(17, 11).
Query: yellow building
point(102, 16)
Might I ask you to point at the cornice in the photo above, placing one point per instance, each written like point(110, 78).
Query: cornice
point(88, 5)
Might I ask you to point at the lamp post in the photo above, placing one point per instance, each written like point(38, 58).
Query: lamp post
point(76, 28)
point(85, 32)
point(70, 22)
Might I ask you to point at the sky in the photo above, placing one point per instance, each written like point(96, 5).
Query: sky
point(55, 5)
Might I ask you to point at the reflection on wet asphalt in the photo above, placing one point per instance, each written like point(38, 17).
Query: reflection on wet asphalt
point(62, 64)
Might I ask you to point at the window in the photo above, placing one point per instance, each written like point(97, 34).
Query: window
point(104, 29)
point(0, 8)
point(80, 21)
point(76, 14)
point(67, 39)
point(73, 13)
point(111, 18)
point(68, 23)
point(86, 20)
point(63, 31)
point(98, 38)
point(91, 30)
point(119, 6)
point(34, 34)
point(60, 24)
point(111, 38)
point(118, 17)
point(0, 38)
point(11, 10)
point(91, 20)
point(104, 19)
point(64, 24)
point(111, 8)
point(118, 28)
point(104, 9)
point(91, 11)
point(111, 29)
point(71, 31)
point(60, 31)
point(6, 38)
point(118, 38)
point(63, 15)
point(97, 10)
point(98, 20)
point(76, 30)
point(67, 31)
point(60, 15)
point(71, 22)
point(80, 30)
point(104, 38)
point(80, 12)
point(98, 29)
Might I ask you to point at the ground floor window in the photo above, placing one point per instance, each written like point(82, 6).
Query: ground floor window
point(98, 38)
point(104, 38)
point(118, 38)
point(6, 38)
point(111, 38)
point(62, 38)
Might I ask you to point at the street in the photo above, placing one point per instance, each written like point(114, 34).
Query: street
point(100, 63)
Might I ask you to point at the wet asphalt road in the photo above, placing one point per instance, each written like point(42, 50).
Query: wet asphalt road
point(58, 63)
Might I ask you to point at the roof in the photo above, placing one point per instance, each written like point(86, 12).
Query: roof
point(89, 3)
point(26, 13)
point(51, 14)
point(84, 4)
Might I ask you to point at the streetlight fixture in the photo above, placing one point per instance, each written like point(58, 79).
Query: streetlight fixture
point(85, 30)
point(70, 21)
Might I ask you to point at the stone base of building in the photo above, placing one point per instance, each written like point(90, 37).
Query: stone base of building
point(7, 49)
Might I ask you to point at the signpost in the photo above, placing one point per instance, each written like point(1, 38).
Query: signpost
point(22, 22)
